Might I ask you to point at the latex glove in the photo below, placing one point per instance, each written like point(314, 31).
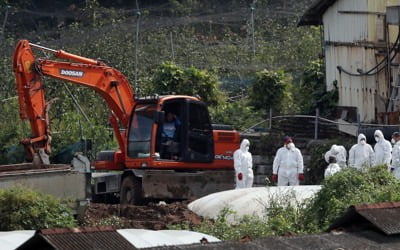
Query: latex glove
point(240, 176)
point(274, 178)
point(301, 177)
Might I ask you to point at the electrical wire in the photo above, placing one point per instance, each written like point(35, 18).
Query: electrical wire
point(368, 73)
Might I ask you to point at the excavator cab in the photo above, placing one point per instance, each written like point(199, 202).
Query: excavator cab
point(192, 138)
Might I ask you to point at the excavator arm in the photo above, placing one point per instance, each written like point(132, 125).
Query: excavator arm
point(108, 82)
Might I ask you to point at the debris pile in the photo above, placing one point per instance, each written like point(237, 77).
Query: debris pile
point(152, 216)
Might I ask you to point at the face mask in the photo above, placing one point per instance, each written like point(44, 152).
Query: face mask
point(363, 142)
point(393, 141)
point(291, 145)
point(376, 138)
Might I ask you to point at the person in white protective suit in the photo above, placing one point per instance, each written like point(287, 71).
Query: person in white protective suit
point(332, 168)
point(340, 154)
point(361, 154)
point(383, 149)
point(395, 165)
point(243, 163)
point(288, 165)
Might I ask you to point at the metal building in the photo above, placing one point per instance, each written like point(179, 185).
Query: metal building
point(358, 35)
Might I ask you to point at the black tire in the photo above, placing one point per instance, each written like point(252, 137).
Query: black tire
point(131, 191)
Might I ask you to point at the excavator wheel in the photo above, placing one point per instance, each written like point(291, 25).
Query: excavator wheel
point(131, 191)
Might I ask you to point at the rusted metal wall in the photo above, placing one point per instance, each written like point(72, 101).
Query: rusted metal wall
point(355, 38)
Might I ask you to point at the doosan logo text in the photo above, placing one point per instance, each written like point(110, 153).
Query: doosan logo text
point(73, 73)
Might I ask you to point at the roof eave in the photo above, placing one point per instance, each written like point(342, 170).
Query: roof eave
point(313, 15)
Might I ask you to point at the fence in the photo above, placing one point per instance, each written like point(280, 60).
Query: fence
point(317, 127)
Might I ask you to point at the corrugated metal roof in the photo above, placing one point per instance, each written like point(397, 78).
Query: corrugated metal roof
point(382, 216)
point(12, 239)
point(78, 238)
point(100, 238)
point(313, 15)
point(142, 238)
point(337, 240)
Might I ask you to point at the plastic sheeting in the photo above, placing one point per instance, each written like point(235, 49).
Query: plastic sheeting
point(249, 201)
point(13, 239)
point(142, 238)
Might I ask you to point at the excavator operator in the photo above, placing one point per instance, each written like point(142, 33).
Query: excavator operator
point(170, 135)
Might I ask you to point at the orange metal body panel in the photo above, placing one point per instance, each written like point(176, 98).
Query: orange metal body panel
point(111, 84)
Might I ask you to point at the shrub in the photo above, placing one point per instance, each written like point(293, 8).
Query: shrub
point(22, 209)
point(269, 90)
point(350, 187)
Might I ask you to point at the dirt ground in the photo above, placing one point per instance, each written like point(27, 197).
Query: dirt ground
point(152, 216)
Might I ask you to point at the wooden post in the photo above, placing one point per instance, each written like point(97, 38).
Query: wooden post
point(316, 124)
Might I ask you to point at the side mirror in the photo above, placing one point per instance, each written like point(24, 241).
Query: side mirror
point(159, 117)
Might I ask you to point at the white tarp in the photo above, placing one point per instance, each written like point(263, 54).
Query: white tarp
point(249, 201)
point(142, 238)
point(12, 239)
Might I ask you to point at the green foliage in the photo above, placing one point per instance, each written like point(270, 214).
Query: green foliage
point(68, 131)
point(312, 93)
point(269, 90)
point(169, 78)
point(350, 187)
point(239, 114)
point(22, 209)
point(253, 227)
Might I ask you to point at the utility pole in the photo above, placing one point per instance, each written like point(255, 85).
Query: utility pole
point(3, 27)
point(252, 26)
point(172, 46)
point(137, 45)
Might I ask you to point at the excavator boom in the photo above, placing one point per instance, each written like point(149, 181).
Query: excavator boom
point(108, 82)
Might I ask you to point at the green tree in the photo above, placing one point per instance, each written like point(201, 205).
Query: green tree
point(23, 209)
point(269, 90)
point(239, 114)
point(170, 78)
point(312, 93)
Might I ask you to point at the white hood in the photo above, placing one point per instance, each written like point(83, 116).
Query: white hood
point(360, 137)
point(379, 134)
point(244, 146)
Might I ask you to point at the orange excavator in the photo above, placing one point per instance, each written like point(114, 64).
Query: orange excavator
point(197, 161)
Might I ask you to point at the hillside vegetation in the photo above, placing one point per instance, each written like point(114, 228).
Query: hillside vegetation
point(212, 40)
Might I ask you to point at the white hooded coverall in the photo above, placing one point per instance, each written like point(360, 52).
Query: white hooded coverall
point(243, 163)
point(332, 169)
point(361, 154)
point(395, 166)
point(383, 149)
point(288, 164)
point(339, 152)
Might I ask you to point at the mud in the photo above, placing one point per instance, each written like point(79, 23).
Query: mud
point(151, 216)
